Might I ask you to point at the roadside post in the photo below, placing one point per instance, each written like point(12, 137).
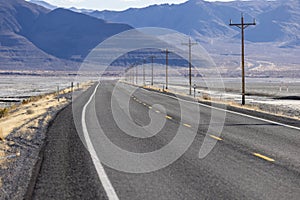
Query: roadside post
point(195, 90)
point(57, 93)
point(72, 85)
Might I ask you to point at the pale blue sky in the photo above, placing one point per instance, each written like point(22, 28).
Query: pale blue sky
point(112, 4)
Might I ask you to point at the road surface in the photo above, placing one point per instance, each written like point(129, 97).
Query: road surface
point(253, 158)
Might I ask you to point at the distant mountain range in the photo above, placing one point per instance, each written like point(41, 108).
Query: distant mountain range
point(33, 37)
point(51, 35)
point(278, 21)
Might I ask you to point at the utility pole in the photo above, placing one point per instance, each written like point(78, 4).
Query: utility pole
point(132, 75)
point(243, 26)
point(144, 76)
point(136, 75)
point(127, 74)
point(190, 44)
point(152, 57)
point(167, 63)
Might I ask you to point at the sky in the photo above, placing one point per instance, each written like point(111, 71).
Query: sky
point(112, 4)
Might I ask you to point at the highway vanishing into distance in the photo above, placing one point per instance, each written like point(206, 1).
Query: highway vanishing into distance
point(256, 156)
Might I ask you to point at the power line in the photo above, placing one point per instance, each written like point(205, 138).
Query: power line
point(243, 26)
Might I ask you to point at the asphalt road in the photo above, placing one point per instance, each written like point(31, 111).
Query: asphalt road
point(252, 158)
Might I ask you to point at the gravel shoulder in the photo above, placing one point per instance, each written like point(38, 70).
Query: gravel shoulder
point(23, 133)
point(67, 171)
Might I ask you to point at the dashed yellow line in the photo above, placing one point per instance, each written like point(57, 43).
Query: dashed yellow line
point(187, 125)
point(168, 117)
point(264, 157)
point(215, 137)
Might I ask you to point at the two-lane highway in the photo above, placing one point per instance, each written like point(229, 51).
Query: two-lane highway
point(252, 159)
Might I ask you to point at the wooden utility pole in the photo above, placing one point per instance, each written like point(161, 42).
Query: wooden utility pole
point(137, 74)
point(132, 75)
point(190, 44)
point(144, 76)
point(167, 63)
point(243, 26)
point(152, 57)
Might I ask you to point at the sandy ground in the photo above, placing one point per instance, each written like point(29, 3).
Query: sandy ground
point(22, 133)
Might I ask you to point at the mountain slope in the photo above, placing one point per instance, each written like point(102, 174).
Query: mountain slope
point(33, 37)
point(16, 51)
point(67, 34)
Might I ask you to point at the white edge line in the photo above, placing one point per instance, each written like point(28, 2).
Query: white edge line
point(233, 112)
point(109, 189)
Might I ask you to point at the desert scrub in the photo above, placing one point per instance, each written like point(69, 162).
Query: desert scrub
point(25, 101)
point(3, 112)
point(1, 134)
point(206, 96)
point(29, 112)
point(32, 99)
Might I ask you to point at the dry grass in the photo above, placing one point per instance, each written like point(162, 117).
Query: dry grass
point(1, 134)
point(3, 112)
point(17, 116)
point(29, 112)
point(31, 108)
point(206, 96)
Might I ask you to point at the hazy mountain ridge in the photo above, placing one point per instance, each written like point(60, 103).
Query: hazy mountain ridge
point(33, 37)
point(43, 4)
point(272, 46)
point(67, 34)
point(16, 51)
point(277, 21)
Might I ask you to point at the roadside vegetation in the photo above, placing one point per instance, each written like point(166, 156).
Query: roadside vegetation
point(3, 112)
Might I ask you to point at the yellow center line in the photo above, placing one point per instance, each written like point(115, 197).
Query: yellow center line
point(215, 137)
point(264, 157)
point(187, 125)
point(168, 117)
